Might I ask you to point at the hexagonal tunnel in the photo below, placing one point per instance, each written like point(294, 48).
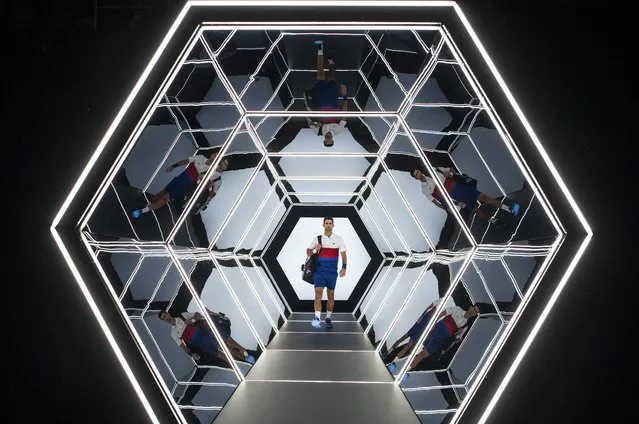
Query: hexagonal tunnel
point(200, 228)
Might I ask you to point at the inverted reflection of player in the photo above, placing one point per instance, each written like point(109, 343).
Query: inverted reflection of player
point(329, 96)
point(464, 196)
point(193, 174)
point(450, 328)
point(399, 350)
point(189, 334)
point(326, 270)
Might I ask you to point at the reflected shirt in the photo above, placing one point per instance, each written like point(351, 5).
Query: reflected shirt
point(334, 128)
point(457, 314)
point(180, 326)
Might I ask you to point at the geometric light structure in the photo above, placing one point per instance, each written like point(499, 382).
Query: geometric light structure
point(426, 94)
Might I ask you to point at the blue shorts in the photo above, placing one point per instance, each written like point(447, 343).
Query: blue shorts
point(206, 341)
point(325, 275)
point(438, 337)
point(178, 186)
point(417, 329)
point(327, 93)
point(464, 193)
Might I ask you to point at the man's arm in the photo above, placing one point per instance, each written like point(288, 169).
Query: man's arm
point(178, 164)
point(343, 258)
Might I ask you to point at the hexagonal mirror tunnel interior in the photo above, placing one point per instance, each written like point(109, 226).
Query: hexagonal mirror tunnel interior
point(423, 226)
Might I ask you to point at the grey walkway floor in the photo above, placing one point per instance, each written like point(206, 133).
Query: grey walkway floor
point(318, 376)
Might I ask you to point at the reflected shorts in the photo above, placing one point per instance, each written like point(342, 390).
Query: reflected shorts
point(327, 93)
point(178, 186)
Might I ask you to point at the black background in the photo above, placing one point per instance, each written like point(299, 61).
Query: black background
point(569, 67)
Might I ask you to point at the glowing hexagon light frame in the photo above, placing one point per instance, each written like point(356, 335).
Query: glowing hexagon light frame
point(68, 221)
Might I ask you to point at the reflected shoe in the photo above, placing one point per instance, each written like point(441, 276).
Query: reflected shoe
point(329, 323)
point(315, 322)
point(392, 367)
point(250, 359)
point(136, 213)
point(514, 208)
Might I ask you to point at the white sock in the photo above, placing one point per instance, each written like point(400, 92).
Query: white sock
point(318, 314)
point(505, 207)
point(145, 210)
point(328, 314)
point(320, 52)
point(246, 355)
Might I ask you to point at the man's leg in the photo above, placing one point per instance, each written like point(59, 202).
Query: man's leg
point(239, 352)
point(498, 205)
point(331, 70)
point(330, 304)
point(418, 358)
point(320, 60)
point(319, 291)
point(159, 200)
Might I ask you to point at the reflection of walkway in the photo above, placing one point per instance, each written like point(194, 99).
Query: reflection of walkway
point(323, 376)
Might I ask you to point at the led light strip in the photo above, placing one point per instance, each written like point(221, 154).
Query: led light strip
point(381, 204)
point(255, 293)
point(254, 218)
point(379, 230)
point(280, 309)
point(259, 66)
point(197, 104)
point(272, 281)
point(408, 208)
point(512, 278)
point(374, 95)
point(164, 159)
point(426, 388)
point(369, 285)
point(434, 411)
point(279, 225)
point(422, 78)
point(390, 68)
point(383, 301)
point(488, 349)
point(488, 292)
point(390, 138)
point(276, 91)
point(367, 301)
point(321, 155)
point(311, 25)
point(237, 203)
point(277, 46)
